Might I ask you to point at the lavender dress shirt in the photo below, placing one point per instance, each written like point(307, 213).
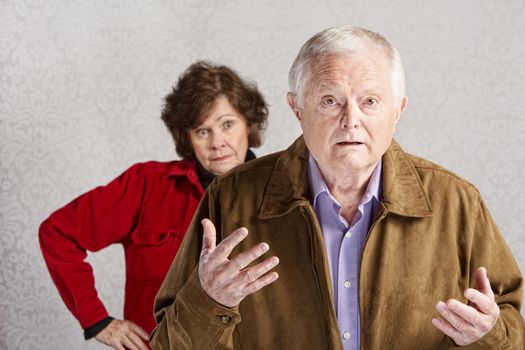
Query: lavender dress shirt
point(344, 244)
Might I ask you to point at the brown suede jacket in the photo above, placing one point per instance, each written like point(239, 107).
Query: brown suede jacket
point(431, 233)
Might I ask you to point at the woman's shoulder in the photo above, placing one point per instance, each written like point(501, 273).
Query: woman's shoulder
point(160, 168)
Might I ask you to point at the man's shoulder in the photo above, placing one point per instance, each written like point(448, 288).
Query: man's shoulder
point(266, 161)
point(251, 177)
point(425, 166)
point(438, 178)
point(259, 167)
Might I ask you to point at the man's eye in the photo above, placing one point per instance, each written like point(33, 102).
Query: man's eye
point(329, 101)
point(371, 101)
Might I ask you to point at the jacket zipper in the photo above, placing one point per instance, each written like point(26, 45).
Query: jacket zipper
point(376, 221)
point(309, 215)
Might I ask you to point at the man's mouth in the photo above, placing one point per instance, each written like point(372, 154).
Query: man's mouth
point(350, 143)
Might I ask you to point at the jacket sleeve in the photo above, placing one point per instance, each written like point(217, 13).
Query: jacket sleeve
point(96, 219)
point(489, 249)
point(187, 318)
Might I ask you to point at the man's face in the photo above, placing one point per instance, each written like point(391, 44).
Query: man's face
point(348, 115)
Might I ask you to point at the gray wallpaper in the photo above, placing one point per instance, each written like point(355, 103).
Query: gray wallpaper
point(82, 82)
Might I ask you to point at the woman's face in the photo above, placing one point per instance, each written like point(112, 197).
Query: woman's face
point(220, 142)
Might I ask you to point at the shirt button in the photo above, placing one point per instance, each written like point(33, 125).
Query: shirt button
point(348, 234)
point(346, 335)
point(347, 284)
point(226, 319)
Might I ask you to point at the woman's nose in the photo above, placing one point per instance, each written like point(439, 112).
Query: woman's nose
point(217, 140)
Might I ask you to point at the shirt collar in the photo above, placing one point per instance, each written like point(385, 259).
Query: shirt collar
point(315, 179)
point(318, 186)
point(185, 168)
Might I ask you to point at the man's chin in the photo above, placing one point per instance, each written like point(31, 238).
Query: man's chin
point(350, 162)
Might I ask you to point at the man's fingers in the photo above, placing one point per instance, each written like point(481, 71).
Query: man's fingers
point(466, 312)
point(483, 296)
point(226, 246)
point(209, 237)
point(445, 327)
point(482, 282)
point(455, 320)
point(484, 303)
point(244, 258)
point(261, 282)
point(467, 323)
point(253, 273)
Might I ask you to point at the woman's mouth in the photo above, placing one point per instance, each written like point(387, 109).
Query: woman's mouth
point(220, 159)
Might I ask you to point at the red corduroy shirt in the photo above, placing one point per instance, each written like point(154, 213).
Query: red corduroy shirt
point(147, 209)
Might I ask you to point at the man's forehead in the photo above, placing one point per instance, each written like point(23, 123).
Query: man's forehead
point(334, 75)
point(332, 65)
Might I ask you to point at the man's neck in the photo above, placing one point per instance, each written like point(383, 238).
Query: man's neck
point(348, 190)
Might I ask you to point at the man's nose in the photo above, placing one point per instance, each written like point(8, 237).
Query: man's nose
point(350, 116)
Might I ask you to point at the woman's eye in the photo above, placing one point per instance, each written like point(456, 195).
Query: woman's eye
point(228, 124)
point(202, 132)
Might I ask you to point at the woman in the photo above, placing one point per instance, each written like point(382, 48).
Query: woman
point(214, 117)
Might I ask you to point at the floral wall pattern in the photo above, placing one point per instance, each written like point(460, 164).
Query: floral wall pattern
point(82, 82)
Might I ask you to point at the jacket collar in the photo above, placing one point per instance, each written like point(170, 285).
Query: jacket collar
point(288, 183)
point(403, 192)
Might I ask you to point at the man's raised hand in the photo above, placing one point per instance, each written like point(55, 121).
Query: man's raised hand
point(464, 323)
point(229, 280)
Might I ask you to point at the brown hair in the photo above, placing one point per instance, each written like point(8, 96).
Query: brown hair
point(194, 95)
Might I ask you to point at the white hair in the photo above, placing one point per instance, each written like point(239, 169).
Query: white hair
point(344, 40)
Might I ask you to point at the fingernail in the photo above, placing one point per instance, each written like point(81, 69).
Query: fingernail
point(468, 294)
point(265, 247)
point(453, 304)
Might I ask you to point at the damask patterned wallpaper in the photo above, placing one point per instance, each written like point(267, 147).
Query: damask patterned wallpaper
point(82, 82)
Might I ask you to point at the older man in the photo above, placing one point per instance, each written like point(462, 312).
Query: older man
point(371, 248)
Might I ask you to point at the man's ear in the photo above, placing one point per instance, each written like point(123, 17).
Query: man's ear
point(292, 102)
point(402, 107)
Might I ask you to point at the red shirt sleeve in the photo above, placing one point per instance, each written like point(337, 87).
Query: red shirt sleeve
point(96, 219)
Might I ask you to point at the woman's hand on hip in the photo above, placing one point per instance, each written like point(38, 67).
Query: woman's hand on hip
point(122, 335)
